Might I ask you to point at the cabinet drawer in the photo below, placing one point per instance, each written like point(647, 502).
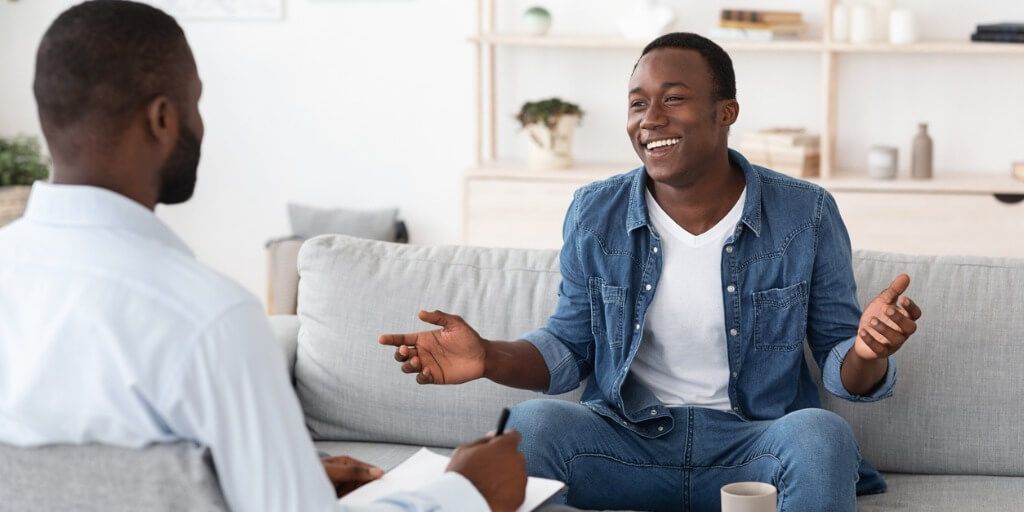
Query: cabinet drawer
point(513, 213)
point(965, 224)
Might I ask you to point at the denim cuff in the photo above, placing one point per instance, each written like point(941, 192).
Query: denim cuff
point(563, 368)
point(831, 376)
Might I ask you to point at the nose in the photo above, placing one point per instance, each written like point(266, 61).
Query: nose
point(654, 117)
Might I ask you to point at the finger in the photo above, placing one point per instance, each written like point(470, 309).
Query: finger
point(397, 340)
point(343, 472)
point(885, 334)
point(912, 308)
point(902, 320)
point(424, 377)
point(895, 289)
point(436, 317)
point(403, 353)
point(413, 366)
point(510, 437)
point(873, 344)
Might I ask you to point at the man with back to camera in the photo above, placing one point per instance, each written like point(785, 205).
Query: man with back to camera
point(111, 332)
point(688, 288)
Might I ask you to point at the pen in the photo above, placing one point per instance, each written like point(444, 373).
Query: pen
point(501, 422)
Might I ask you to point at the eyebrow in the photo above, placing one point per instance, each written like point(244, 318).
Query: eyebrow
point(664, 85)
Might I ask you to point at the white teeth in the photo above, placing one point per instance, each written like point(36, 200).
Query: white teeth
point(661, 143)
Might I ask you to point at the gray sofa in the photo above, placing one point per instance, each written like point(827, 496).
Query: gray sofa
point(952, 437)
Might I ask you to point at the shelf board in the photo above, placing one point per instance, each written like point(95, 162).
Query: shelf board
point(934, 47)
point(941, 184)
point(614, 42)
point(583, 173)
point(584, 41)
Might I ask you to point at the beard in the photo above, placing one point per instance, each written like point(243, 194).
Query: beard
point(178, 175)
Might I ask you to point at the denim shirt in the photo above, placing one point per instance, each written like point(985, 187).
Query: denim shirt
point(787, 277)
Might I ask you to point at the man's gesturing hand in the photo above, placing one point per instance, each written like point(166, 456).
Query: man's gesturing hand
point(452, 354)
point(887, 322)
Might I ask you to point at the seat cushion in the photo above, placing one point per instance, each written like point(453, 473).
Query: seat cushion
point(353, 290)
point(946, 493)
point(168, 477)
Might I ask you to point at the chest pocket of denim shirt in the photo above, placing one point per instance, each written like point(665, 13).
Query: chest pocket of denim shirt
point(607, 311)
point(780, 318)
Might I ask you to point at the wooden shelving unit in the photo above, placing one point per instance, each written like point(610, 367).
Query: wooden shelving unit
point(949, 214)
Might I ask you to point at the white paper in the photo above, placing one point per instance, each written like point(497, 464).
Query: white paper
point(425, 466)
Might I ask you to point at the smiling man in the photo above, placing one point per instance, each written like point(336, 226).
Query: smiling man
point(689, 287)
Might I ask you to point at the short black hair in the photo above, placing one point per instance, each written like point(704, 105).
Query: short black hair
point(723, 77)
point(101, 60)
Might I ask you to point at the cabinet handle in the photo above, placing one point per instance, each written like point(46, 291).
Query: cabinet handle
point(1009, 198)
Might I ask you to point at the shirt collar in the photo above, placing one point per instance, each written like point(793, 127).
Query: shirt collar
point(87, 206)
point(637, 214)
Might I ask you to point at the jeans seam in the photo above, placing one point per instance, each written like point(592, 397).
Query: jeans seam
point(575, 456)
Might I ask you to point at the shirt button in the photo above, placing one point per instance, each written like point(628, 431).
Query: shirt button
point(737, 408)
point(730, 288)
point(728, 249)
point(734, 375)
point(636, 327)
point(647, 287)
point(733, 332)
point(654, 411)
point(660, 429)
point(655, 250)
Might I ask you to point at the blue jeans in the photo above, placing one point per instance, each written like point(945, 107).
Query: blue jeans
point(809, 455)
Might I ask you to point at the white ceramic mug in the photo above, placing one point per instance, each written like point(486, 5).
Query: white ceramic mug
point(749, 497)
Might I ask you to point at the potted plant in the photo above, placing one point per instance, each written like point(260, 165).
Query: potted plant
point(550, 125)
point(20, 165)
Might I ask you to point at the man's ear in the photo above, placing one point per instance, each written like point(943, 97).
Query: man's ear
point(162, 122)
point(728, 112)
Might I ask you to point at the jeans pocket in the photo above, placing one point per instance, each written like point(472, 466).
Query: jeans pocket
point(607, 311)
point(780, 318)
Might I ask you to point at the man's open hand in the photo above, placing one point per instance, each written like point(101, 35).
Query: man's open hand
point(887, 322)
point(452, 354)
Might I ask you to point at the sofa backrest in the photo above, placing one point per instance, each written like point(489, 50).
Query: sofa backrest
point(167, 477)
point(353, 290)
point(960, 378)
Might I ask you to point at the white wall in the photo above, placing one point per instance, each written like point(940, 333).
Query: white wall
point(369, 103)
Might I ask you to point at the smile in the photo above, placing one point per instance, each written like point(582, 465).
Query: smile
point(661, 143)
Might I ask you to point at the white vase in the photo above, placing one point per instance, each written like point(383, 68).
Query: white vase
point(841, 23)
point(862, 24)
point(882, 9)
point(551, 148)
point(902, 29)
point(648, 19)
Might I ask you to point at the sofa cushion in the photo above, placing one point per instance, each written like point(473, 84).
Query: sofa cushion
point(353, 290)
point(165, 477)
point(956, 408)
point(946, 493)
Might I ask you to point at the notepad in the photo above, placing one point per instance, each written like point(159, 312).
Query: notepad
point(424, 467)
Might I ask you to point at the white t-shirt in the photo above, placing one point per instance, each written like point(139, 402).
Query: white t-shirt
point(111, 332)
point(683, 357)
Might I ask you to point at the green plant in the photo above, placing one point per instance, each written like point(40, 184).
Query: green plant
point(547, 112)
point(20, 161)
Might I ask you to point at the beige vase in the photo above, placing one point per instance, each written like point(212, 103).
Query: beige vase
point(551, 148)
point(12, 202)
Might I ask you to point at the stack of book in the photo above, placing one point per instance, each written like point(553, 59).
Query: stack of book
point(790, 151)
point(999, 33)
point(753, 25)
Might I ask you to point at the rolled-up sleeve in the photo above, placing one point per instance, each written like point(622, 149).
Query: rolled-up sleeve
point(567, 341)
point(833, 314)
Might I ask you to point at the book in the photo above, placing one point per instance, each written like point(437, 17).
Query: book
point(1001, 28)
point(742, 34)
point(758, 25)
point(779, 137)
point(423, 467)
point(995, 37)
point(761, 16)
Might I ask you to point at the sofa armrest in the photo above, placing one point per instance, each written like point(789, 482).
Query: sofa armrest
point(286, 330)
